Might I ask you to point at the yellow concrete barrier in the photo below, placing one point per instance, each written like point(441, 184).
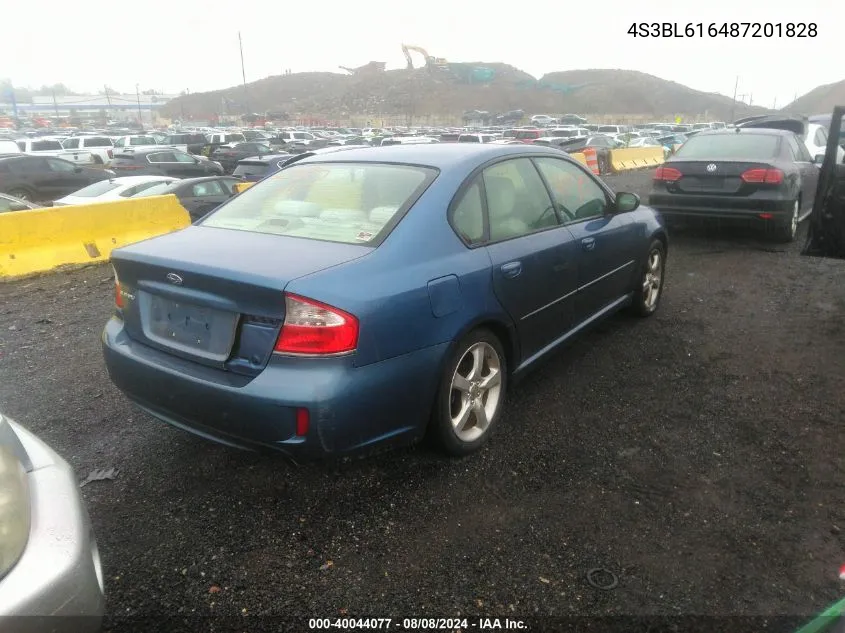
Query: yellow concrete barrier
point(580, 158)
point(43, 239)
point(242, 186)
point(635, 157)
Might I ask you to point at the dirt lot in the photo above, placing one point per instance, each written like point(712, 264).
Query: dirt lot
point(698, 455)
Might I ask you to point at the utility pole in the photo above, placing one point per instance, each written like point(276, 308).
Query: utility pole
point(775, 104)
point(108, 97)
point(733, 107)
point(55, 103)
point(243, 72)
point(138, 97)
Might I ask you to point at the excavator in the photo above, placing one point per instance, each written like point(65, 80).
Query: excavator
point(366, 69)
point(430, 61)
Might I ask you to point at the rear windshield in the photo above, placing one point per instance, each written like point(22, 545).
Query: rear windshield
point(527, 135)
point(156, 190)
point(142, 140)
point(250, 169)
point(336, 202)
point(97, 189)
point(564, 133)
point(727, 146)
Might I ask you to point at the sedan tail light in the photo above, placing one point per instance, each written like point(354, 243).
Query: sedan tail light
point(110, 153)
point(764, 176)
point(312, 328)
point(118, 297)
point(667, 174)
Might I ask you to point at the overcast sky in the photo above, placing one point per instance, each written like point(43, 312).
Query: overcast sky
point(172, 45)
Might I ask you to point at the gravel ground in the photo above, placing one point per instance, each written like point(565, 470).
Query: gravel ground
point(696, 454)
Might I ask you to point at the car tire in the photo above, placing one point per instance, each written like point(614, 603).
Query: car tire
point(788, 230)
point(97, 160)
point(467, 409)
point(23, 194)
point(649, 288)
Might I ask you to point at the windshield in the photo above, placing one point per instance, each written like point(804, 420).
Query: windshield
point(97, 189)
point(142, 140)
point(337, 202)
point(730, 146)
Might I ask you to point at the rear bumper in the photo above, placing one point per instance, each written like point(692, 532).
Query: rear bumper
point(59, 573)
point(351, 409)
point(720, 207)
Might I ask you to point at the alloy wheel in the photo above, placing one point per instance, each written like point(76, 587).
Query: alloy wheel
point(476, 390)
point(651, 281)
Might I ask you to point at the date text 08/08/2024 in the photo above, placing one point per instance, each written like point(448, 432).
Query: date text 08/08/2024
point(418, 624)
point(725, 29)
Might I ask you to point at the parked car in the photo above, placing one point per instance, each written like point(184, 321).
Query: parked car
point(50, 566)
point(476, 138)
point(113, 189)
point(325, 318)
point(826, 234)
point(197, 195)
point(813, 135)
point(255, 168)
point(41, 178)
point(229, 155)
point(190, 143)
point(163, 161)
point(135, 140)
point(750, 174)
point(100, 148)
point(10, 203)
point(53, 147)
point(600, 143)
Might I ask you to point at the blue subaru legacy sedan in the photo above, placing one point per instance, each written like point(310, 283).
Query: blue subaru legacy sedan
point(366, 297)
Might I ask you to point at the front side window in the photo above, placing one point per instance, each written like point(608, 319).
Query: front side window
point(577, 196)
point(351, 203)
point(517, 200)
point(60, 165)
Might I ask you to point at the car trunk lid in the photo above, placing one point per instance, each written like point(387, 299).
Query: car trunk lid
point(215, 296)
point(716, 177)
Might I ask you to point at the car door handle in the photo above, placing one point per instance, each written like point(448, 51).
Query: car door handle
point(589, 243)
point(511, 269)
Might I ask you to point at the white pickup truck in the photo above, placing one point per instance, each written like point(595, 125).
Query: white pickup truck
point(101, 148)
point(52, 147)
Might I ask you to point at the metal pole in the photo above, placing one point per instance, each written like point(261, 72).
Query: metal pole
point(138, 97)
point(243, 72)
point(55, 104)
point(733, 106)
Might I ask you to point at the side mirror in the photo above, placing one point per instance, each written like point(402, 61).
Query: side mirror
point(818, 159)
point(626, 202)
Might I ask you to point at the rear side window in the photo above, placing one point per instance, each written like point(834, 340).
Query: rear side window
point(729, 146)
point(351, 203)
point(97, 189)
point(131, 191)
point(209, 188)
point(468, 214)
point(41, 146)
point(142, 140)
point(250, 169)
point(98, 141)
point(71, 143)
point(162, 157)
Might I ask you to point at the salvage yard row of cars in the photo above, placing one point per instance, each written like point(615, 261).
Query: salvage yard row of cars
point(324, 283)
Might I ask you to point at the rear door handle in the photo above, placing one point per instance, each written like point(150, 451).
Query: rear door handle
point(589, 243)
point(511, 269)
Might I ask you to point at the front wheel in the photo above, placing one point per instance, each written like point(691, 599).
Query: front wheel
point(471, 393)
point(21, 194)
point(649, 288)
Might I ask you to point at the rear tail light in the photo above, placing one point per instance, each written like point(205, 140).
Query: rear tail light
point(126, 167)
point(667, 174)
point(763, 176)
point(118, 298)
point(110, 153)
point(766, 216)
point(313, 328)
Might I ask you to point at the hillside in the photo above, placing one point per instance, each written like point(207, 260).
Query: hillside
point(444, 93)
point(820, 100)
